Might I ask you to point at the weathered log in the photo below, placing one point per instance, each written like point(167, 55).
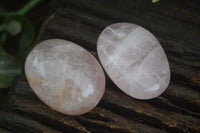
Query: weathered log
point(2, 130)
point(81, 21)
point(19, 123)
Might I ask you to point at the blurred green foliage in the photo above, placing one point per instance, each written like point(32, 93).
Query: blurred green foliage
point(155, 1)
point(14, 24)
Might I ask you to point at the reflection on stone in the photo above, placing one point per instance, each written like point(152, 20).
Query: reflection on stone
point(134, 60)
point(65, 76)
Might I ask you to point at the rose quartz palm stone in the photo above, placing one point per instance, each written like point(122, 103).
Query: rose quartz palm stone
point(134, 60)
point(65, 76)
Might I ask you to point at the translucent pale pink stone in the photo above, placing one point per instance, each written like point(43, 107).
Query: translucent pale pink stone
point(134, 60)
point(65, 76)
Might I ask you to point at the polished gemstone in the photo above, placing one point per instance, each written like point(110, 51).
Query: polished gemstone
point(65, 76)
point(134, 60)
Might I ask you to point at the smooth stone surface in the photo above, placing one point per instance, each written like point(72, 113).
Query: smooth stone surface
point(134, 60)
point(65, 76)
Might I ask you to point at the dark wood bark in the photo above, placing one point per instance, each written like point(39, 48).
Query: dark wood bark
point(176, 24)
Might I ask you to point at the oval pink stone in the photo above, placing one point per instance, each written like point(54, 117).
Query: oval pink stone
point(65, 76)
point(134, 60)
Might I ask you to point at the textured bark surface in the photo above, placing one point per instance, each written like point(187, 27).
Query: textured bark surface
point(177, 26)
